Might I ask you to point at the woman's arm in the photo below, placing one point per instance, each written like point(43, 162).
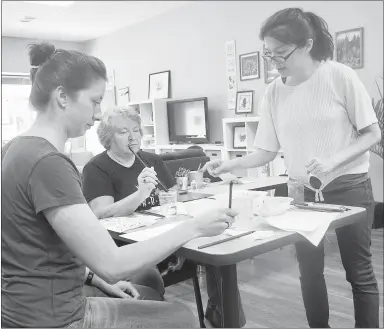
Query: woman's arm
point(105, 206)
point(257, 158)
point(82, 232)
point(368, 137)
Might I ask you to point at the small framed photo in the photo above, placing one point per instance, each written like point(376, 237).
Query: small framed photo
point(349, 47)
point(244, 102)
point(239, 137)
point(159, 85)
point(270, 72)
point(250, 66)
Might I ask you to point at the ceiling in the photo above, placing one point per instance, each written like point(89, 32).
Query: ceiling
point(79, 22)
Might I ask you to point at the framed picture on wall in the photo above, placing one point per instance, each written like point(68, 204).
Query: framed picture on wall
point(244, 102)
point(239, 137)
point(250, 66)
point(159, 85)
point(349, 47)
point(270, 73)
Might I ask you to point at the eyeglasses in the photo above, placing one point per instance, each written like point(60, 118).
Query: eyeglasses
point(278, 59)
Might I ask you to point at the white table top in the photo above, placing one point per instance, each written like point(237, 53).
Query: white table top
point(237, 250)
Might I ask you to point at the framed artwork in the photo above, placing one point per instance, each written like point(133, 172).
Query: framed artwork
point(349, 47)
point(270, 73)
point(159, 85)
point(250, 66)
point(239, 137)
point(244, 102)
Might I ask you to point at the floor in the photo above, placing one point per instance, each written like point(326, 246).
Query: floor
point(270, 289)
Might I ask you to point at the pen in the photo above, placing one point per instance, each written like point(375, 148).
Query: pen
point(225, 240)
point(143, 163)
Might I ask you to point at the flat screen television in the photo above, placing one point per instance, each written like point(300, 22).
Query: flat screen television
point(188, 120)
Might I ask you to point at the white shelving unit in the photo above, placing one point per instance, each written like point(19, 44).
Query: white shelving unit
point(250, 123)
point(154, 122)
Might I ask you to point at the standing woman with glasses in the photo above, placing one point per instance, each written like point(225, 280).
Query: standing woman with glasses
point(321, 115)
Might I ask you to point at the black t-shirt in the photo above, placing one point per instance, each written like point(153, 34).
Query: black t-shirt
point(104, 176)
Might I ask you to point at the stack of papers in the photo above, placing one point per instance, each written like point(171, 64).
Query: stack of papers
point(123, 224)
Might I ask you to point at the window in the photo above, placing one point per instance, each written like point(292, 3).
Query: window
point(17, 114)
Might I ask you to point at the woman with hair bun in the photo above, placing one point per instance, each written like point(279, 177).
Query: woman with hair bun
point(321, 115)
point(52, 242)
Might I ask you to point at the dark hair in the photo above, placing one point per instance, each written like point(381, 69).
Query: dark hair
point(51, 68)
point(294, 26)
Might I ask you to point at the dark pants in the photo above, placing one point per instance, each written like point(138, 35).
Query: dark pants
point(354, 244)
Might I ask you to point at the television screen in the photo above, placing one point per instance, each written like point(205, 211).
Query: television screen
point(188, 120)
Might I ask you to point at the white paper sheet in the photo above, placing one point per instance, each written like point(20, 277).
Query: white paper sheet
point(310, 224)
point(123, 224)
point(148, 233)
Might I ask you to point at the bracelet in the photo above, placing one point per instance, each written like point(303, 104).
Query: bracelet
point(88, 282)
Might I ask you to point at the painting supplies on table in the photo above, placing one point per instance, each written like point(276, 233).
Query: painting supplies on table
point(320, 207)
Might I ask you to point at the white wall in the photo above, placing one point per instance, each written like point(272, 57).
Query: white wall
point(190, 41)
point(14, 54)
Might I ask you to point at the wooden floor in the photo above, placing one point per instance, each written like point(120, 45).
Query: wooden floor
point(270, 288)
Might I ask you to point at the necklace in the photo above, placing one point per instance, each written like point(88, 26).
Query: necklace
point(123, 163)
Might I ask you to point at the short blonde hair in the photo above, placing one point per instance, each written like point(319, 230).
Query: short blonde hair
point(106, 130)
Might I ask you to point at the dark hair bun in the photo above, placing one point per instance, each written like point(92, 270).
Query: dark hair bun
point(40, 52)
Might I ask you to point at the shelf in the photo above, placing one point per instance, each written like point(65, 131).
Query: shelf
point(241, 119)
point(237, 150)
point(151, 125)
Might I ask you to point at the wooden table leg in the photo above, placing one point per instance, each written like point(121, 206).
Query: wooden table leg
point(230, 300)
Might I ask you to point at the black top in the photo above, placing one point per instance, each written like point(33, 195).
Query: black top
point(104, 176)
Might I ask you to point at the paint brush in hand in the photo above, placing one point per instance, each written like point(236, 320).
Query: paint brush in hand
point(143, 163)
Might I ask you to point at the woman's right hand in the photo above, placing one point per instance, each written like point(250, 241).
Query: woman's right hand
point(147, 181)
point(216, 222)
point(217, 167)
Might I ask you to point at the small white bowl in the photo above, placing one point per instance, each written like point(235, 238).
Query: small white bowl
point(273, 206)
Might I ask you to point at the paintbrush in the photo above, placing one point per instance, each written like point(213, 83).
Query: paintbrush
point(143, 163)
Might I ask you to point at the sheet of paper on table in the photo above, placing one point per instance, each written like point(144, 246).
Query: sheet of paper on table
point(311, 224)
point(152, 232)
point(123, 224)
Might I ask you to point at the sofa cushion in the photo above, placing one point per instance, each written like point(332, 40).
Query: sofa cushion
point(188, 159)
point(183, 154)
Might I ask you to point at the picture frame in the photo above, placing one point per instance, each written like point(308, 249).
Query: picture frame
point(159, 85)
point(250, 66)
point(270, 73)
point(239, 137)
point(349, 47)
point(244, 102)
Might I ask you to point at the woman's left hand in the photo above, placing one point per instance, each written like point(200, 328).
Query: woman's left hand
point(122, 289)
point(319, 167)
